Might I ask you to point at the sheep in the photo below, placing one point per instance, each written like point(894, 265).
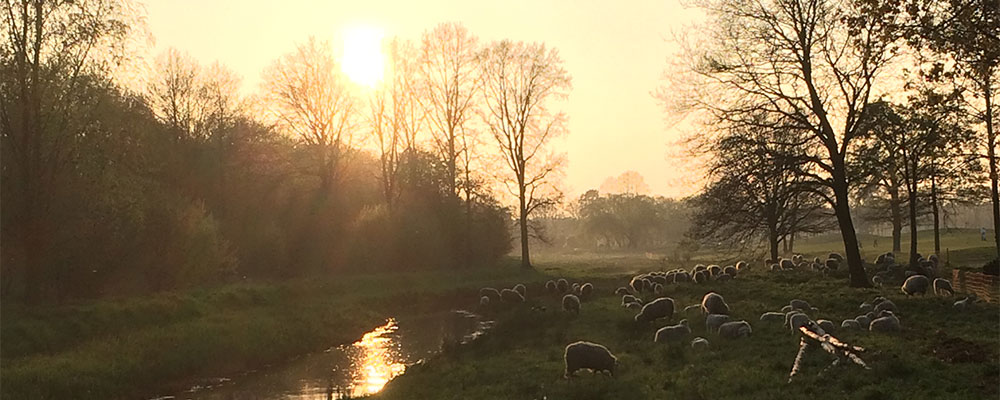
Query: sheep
point(775, 267)
point(694, 307)
point(713, 321)
point(729, 270)
point(741, 265)
point(886, 323)
point(714, 270)
point(510, 296)
point(587, 355)
point(637, 284)
point(863, 320)
point(942, 285)
point(672, 333)
point(700, 277)
point(586, 289)
point(484, 301)
point(575, 288)
point(662, 307)
point(795, 320)
point(492, 293)
point(962, 304)
point(735, 329)
point(915, 284)
point(682, 276)
point(550, 286)
point(724, 277)
point(699, 267)
point(699, 343)
point(836, 256)
point(827, 325)
point(878, 281)
point(885, 305)
point(562, 285)
point(787, 264)
point(713, 303)
point(657, 288)
point(633, 306)
point(571, 303)
point(866, 307)
point(801, 305)
point(626, 299)
point(520, 288)
point(850, 324)
point(832, 263)
point(786, 309)
point(621, 291)
point(772, 316)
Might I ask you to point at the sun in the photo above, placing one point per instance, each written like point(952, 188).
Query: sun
point(363, 61)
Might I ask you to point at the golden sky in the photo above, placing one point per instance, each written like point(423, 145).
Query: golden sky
point(614, 50)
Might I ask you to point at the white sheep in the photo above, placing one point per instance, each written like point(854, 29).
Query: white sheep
point(863, 320)
point(587, 355)
point(885, 323)
point(699, 343)
point(492, 293)
point(637, 284)
point(866, 307)
point(729, 270)
point(586, 289)
point(550, 286)
point(735, 329)
point(621, 291)
point(772, 316)
point(484, 301)
point(800, 305)
point(916, 284)
point(571, 303)
point(681, 277)
point(850, 324)
point(700, 277)
point(714, 321)
point(575, 288)
point(723, 277)
point(520, 288)
point(713, 303)
point(787, 264)
point(796, 319)
point(942, 285)
point(962, 304)
point(662, 307)
point(827, 325)
point(741, 265)
point(714, 270)
point(511, 296)
point(672, 333)
point(562, 285)
point(884, 305)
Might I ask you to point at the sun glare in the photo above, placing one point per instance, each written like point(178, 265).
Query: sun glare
point(363, 61)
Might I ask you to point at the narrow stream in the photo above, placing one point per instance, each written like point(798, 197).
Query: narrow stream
point(348, 371)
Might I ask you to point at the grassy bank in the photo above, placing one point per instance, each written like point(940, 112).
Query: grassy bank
point(939, 354)
point(131, 347)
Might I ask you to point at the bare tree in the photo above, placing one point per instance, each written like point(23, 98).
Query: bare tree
point(310, 100)
point(519, 81)
point(812, 64)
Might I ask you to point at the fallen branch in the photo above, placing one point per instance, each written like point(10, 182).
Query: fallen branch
point(813, 334)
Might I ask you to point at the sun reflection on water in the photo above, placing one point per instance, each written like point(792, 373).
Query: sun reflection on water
point(377, 360)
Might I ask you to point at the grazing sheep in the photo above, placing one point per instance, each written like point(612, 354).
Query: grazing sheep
point(836, 256)
point(492, 293)
point(786, 309)
point(700, 277)
point(587, 355)
point(484, 301)
point(662, 307)
point(729, 270)
point(916, 284)
point(633, 306)
point(878, 281)
point(699, 343)
point(510, 296)
point(621, 291)
point(962, 304)
point(637, 284)
point(795, 320)
point(681, 277)
point(626, 299)
point(885, 305)
point(714, 270)
point(520, 288)
point(699, 267)
point(571, 303)
point(827, 325)
point(772, 316)
point(850, 324)
point(735, 329)
point(943, 285)
point(801, 305)
point(586, 290)
point(692, 308)
point(863, 320)
point(724, 277)
point(866, 307)
point(562, 285)
point(657, 288)
point(713, 303)
point(672, 333)
point(886, 323)
point(575, 289)
point(787, 264)
point(741, 265)
point(832, 263)
point(714, 321)
point(550, 286)
point(775, 267)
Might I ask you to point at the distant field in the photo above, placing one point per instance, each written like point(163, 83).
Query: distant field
point(940, 354)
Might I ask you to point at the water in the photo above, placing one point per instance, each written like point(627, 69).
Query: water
point(358, 369)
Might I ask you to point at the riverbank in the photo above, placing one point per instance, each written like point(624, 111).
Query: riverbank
point(129, 348)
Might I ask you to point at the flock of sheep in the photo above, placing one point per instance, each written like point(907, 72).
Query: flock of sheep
point(878, 315)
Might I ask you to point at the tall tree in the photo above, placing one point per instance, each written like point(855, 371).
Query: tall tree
point(520, 81)
point(810, 63)
point(310, 100)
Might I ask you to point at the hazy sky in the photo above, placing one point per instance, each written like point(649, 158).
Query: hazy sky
point(615, 52)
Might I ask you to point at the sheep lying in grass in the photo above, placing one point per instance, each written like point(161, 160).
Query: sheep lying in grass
point(621, 291)
point(943, 285)
point(832, 264)
point(571, 303)
point(662, 307)
point(510, 296)
point(735, 329)
point(550, 286)
point(672, 333)
point(850, 324)
point(492, 293)
point(771, 316)
point(699, 343)
point(713, 303)
point(775, 267)
point(520, 288)
point(587, 355)
point(714, 321)
point(714, 270)
point(916, 284)
point(887, 322)
point(562, 285)
point(586, 290)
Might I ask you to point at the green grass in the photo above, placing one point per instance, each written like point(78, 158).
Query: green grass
point(127, 348)
point(523, 357)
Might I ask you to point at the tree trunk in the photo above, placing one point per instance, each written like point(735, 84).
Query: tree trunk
point(934, 211)
point(897, 219)
point(912, 193)
point(991, 156)
point(842, 209)
point(784, 244)
point(772, 236)
point(525, 257)
point(791, 242)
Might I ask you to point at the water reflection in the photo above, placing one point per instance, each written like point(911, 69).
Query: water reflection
point(356, 370)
